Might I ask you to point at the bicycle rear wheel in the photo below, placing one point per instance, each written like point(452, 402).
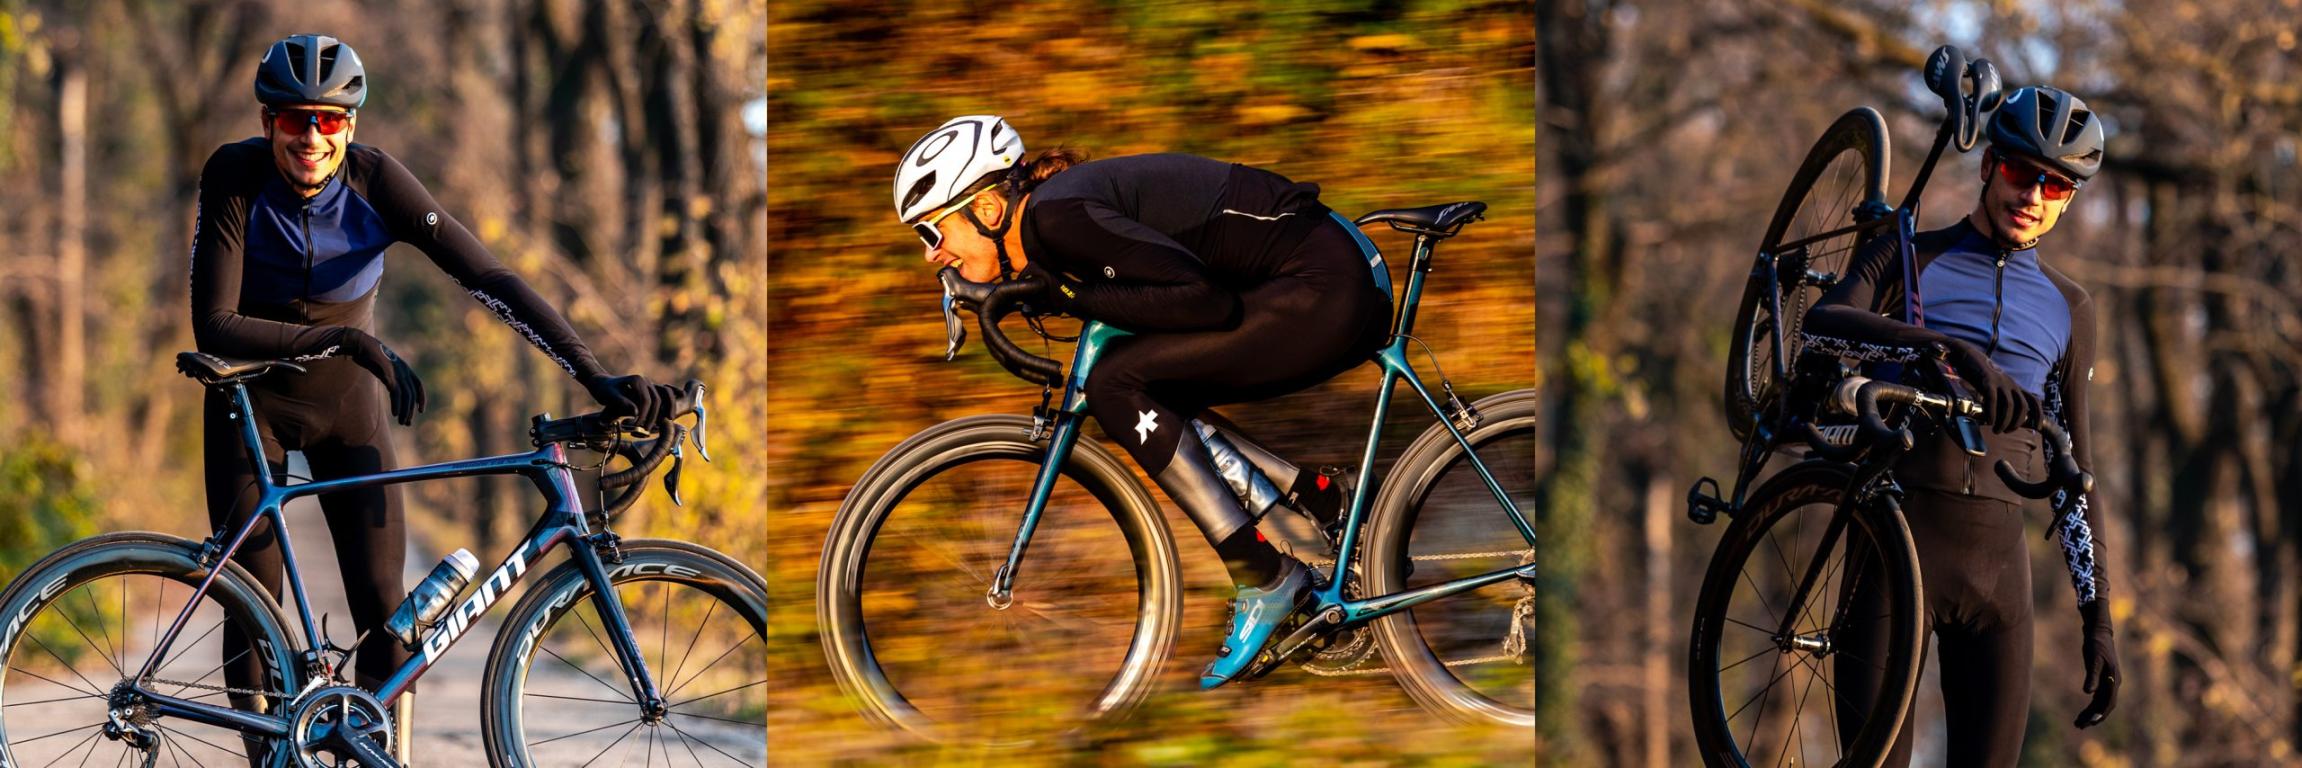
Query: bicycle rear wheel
point(81, 622)
point(901, 592)
point(1825, 693)
point(1808, 244)
point(1466, 657)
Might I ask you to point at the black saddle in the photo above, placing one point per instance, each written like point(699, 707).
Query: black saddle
point(215, 370)
point(1440, 221)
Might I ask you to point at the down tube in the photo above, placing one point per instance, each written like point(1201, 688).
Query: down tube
point(1394, 359)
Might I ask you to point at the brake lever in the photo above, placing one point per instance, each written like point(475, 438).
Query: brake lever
point(954, 332)
point(671, 479)
point(702, 420)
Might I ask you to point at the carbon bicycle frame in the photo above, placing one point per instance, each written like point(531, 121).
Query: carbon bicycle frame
point(562, 522)
point(1095, 337)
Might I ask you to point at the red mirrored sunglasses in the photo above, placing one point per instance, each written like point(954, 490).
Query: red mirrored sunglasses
point(295, 121)
point(2023, 175)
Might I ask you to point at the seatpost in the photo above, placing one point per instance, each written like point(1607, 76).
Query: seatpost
point(245, 412)
point(1419, 265)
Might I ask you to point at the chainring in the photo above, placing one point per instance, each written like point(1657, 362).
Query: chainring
point(328, 717)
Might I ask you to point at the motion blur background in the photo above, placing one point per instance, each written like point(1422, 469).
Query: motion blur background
point(1384, 104)
point(1670, 130)
point(610, 153)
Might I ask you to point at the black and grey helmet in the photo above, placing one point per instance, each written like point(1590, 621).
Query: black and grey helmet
point(311, 69)
point(2052, 126)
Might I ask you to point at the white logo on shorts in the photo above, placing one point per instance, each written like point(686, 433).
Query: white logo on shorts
point(1146, 425)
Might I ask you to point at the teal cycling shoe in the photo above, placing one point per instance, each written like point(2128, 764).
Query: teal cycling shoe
point(1256, 614)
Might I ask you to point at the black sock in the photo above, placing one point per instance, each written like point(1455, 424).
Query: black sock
point(1321, 494)
point(1252, 561)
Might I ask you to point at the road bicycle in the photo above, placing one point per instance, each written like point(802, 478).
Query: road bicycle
point(932, 622)
point(635, 648)
point(1815, 580)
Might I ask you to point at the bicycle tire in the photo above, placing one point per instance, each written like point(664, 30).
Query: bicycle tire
point(854, 655)
point(1407, 646)
point(1855, 146)
point(726, 727)
point(1713, 683)
point(47, 588)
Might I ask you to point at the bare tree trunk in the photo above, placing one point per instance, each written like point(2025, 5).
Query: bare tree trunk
point(66, 406)
point(1661, 508)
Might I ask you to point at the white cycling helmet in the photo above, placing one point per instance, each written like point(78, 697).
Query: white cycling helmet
point(948, 161)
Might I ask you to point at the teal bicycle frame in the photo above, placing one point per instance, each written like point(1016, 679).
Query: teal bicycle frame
point(1095, 338)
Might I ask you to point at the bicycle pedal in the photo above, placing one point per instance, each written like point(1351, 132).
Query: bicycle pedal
point(1704, 506)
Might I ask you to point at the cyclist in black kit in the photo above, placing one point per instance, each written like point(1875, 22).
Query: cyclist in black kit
point(1238, 284)
point(2023, 335)
point(286, 256)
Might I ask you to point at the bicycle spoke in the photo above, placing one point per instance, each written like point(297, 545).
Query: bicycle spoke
point(603, 648)
point(582, 732)
point(89, 641)
point(611, 745)
point(1772, 614)
point(705, 742)
point(183, 649)
point(721, 693)
point(212, 672)
point(574, 698)
point(211, 745)
point(1798, 716)
point(50, 681)
point(711, 609)
point(88, 596)
point(1746, 659)
point(595, 678)
point(678, 686)
point(92, 686)
point(690, 744)
point(89, 740)
point(1760, 695)
point(719, 719)
point(58, 733)
point(54, 700)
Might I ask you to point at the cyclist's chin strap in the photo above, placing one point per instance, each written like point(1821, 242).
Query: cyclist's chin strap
point(998, 235)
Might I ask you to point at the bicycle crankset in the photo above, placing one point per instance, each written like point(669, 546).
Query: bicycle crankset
point(340, 726)
point(1345, 652)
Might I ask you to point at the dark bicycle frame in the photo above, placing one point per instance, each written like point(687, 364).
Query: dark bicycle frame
point(562, 522)
point(1094, 338)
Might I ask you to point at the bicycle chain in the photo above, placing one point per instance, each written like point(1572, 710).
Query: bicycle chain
point(217, 688)
point(1514, 641)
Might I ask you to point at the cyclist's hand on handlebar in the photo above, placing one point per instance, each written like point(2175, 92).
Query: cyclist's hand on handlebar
point(2100, 650)
point(400, 382)
point(2004, 402)
point(633, 396)
point(1055, 293)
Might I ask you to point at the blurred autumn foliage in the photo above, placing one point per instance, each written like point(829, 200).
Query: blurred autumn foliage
point(600, 150)
point(1384, 104)
point(1671, 129)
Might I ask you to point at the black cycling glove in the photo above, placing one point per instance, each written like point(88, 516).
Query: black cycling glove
point(2004, 402)
point(2100, 649)
point(633, 396)
point(1055, 292)
point(407, 391)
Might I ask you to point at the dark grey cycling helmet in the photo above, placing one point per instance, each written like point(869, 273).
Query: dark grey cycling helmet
point(311, 69)
point(2052, 126)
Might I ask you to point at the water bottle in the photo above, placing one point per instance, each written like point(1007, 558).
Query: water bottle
point(432, 597)
point(1255, 492)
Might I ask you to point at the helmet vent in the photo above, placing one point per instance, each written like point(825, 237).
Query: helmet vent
point(327, 62)
point(2077, 125)
point(919, 189)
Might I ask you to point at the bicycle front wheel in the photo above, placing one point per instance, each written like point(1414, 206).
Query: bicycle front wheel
point(1808, 244)
point(1833, 688)
point(901, 595)
point(83, 620)
point(557, 694)
point(1465, 657)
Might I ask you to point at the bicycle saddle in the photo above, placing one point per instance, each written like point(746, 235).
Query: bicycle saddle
point(212, 370)
point(1437, 220)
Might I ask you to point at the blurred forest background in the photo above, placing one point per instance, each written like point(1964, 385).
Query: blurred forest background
point(1669, 131)
point(1384, 104)
point(612, 154)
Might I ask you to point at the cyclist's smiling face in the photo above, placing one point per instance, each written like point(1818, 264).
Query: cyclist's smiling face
point(307, 156)
point(976, 256)
point(2019, 212)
